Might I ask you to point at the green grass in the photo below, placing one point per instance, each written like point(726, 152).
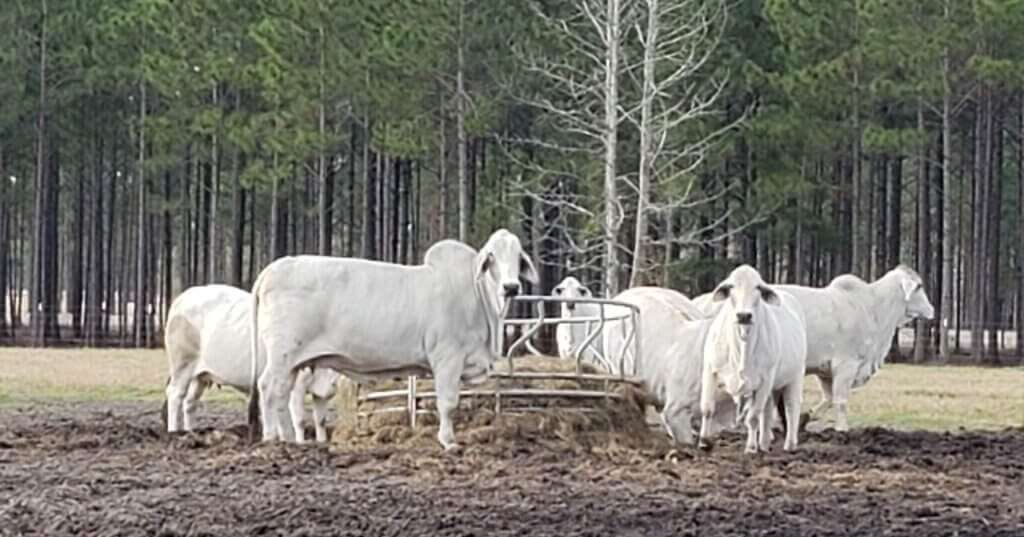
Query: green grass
point(93, 375)
point(900, 396)
point(936, 397)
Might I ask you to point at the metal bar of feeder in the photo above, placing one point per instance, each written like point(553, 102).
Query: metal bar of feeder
point(563, 376)
point(526, 335)
point(411, 403)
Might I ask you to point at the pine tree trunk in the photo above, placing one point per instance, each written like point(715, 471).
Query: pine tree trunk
point(1019, 329)
point(394, 209)
point(979, 218)
point(369, 249)
point(471, 174)
point(205, 212)
point(923, 232)
point(51, 249)
point(936, 290)
point(167, 265)
point(381, 210)
point(139, 323)
point(213, 250)
point(857, 254)
point(238, 219)
point(254, 253)
point(460, 131)
point(442, 175)
point(415, 234)
point(326, 176)
point(111, 231)
point(77, 266)
point(948, 237)
point(43, 301)
point(350, 240)
point(278, 223)
point(4, 238)
point(895, 215)
point(993, 315)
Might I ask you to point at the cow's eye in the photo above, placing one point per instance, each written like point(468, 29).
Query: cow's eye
point(558, 290)
point(584, 292)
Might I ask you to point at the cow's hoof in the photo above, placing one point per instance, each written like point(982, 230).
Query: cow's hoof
point(789, 448)
point(454, 449)
point(705, 444)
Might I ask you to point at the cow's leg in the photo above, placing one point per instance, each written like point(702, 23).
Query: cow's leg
point(447, 375)
point(320, 417)
point(708, 392)
point(274, 386)
point(765, 434)
point(195, 392)
point(300, 381)
point(267, 420)
point(842, 385)
point(792, 399)
point(825, 383)
point(750, 422)
point(757, 419)
point(175, 391)
point(676, 419)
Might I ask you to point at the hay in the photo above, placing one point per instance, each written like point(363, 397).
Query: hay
point(552, 418)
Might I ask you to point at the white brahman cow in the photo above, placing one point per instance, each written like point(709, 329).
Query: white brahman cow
point(755, 351)
point(672, 332)
point(369, 319)
point(570, 336)
point(850, 326)
point(207, 341)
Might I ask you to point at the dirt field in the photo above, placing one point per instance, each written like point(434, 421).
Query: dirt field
point(95, 468)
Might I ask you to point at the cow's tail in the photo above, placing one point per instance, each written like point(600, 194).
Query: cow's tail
point(255, 421)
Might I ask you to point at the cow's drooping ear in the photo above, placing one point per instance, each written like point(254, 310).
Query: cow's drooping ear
point(768, 295)
point(909, 286)
point(484, 260)
point(526, 269)
point(721, 292)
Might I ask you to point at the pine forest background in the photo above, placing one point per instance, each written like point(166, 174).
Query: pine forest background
point(150, 145)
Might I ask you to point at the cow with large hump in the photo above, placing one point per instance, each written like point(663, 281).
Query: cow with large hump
point(671, 334)
point(754, 351)
point(370, 319)
point(850, 326)
point(207, 341)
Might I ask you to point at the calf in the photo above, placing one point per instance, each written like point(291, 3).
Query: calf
point(206, 339)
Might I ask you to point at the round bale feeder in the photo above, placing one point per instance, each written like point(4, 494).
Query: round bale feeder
point(520, 385)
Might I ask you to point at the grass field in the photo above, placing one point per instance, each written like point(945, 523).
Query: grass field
point(900, 396)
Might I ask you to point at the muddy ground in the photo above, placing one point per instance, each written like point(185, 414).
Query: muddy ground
point(106, 470)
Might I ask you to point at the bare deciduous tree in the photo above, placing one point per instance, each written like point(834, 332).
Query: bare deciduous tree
point(678, 39)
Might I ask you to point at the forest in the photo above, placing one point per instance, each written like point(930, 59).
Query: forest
point(151, 145)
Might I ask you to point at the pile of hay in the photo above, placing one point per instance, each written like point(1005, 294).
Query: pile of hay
point(476, 422)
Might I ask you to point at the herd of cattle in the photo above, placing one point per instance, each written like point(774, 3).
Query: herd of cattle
point(734, 355)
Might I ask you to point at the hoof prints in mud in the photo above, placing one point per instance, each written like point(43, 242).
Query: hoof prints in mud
point(109, 470)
